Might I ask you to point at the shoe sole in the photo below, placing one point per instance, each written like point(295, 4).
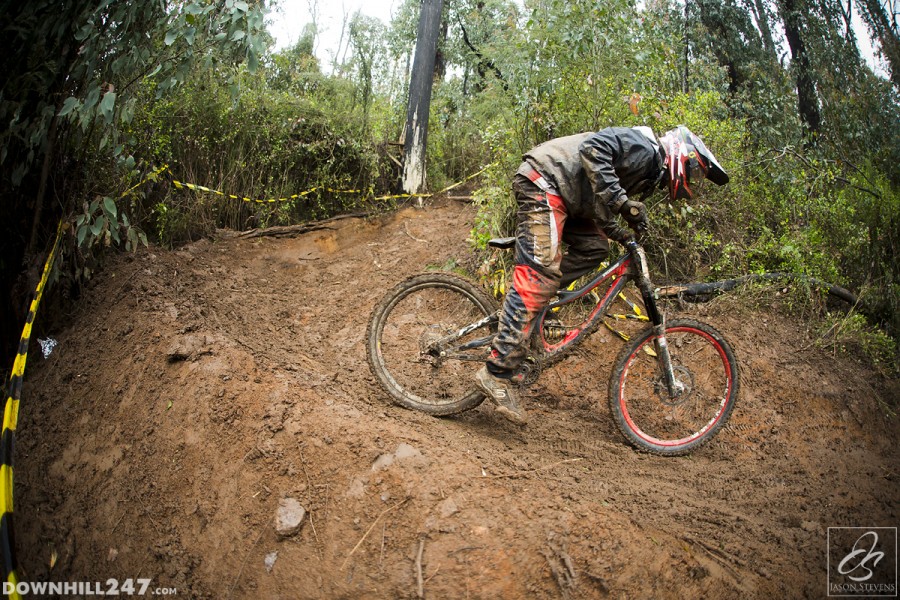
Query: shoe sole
point(511, 416)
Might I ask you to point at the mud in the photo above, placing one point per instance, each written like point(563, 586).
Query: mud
point(196, 389)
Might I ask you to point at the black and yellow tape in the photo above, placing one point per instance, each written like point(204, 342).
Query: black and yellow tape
point(182, 185)
point(10, 419)
point(152, 175)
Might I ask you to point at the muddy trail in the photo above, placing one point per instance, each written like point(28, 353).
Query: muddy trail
point(195, 390)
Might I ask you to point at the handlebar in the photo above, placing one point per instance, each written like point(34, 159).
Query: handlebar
point(632, 242)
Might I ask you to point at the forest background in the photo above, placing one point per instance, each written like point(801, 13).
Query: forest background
point(98, 95)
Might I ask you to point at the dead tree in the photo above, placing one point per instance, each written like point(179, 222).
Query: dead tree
point(420, 84)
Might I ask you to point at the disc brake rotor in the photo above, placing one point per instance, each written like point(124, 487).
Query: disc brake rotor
point(684, 381)
point(429, 344)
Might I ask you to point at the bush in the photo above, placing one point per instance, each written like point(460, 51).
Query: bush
point(265, 144)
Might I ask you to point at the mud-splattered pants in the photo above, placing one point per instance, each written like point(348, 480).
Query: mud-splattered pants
point(541, 267)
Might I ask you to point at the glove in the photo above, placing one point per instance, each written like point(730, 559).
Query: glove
point(635, 213)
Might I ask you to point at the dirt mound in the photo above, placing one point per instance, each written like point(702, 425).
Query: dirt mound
point(196, 389)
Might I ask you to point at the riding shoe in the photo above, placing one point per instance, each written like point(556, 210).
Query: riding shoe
point(503, 395)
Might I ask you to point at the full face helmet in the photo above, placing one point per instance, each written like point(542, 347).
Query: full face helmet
point(689, 162)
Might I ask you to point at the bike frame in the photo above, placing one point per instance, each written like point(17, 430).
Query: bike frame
point(620, 270)
point(632, 266)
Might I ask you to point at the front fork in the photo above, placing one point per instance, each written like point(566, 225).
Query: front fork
point(674, 387)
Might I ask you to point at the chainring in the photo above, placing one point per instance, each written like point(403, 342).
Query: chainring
point(529, 371)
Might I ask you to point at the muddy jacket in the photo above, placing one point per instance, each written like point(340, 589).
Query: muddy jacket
point(594, 173)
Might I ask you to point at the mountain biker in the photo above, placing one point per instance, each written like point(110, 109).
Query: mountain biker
point(570, 190)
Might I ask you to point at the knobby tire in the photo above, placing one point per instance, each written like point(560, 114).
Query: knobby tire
point(408, 319)
point(644, 412)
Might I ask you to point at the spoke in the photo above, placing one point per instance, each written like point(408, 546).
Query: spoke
point(655, 417)
point(419, 327)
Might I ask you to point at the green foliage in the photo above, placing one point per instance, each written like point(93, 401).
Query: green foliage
point(102, 92)
point(792, 206)
point(495, 211)
point(582, 56)
point(853, 334)
point(456, 142)
point(288, 133)
point(81, 60)
point(75, 72)
point(100, 222)
point(296, 68)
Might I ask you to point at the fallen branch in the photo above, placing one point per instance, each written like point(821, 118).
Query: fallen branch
point(420, 584)
point(700, 289)
point(369, 530)
point(280, 230)
point(430, 577)
point(719, 556)
point(406, 230)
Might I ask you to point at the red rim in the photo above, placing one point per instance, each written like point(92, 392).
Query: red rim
point(712, 423)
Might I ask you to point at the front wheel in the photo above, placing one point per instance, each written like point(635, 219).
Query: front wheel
point(706, 374)
point(427, 338)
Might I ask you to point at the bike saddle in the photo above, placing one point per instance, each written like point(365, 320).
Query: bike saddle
point(502, 243)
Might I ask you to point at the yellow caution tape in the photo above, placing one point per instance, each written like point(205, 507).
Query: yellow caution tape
point(202, 188)
point(151, 175)
point(10, 420)
point(647, 349)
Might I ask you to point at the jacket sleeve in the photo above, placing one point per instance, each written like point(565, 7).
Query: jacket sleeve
point(599, 154)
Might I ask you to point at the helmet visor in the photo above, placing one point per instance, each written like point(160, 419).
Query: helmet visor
point(712, 170)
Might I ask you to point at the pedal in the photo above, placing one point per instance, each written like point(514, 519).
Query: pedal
point(502, 243)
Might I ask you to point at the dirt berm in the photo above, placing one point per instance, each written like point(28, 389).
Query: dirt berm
point(195, 389)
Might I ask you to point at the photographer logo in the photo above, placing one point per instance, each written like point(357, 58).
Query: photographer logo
point(862, 561)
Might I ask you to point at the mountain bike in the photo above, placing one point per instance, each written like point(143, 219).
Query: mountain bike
point(673, 385)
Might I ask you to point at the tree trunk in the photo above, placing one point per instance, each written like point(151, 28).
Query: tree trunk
point(807, 100)
point(762, 21)
point(421, 82)
point(42, 189)
point(737, 44)
point(873, 12)
point(440, 61)
point(685, 81)
point(714, 18)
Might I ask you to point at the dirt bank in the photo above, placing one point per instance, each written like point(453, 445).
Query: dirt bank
point(194, 389)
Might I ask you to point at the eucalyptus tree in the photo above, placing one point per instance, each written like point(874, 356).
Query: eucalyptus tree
point(796, 16)
point(883, 19)
point(482, 32)
point(583, 58)
point(366, 34)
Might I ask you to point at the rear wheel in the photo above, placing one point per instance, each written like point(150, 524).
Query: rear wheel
point(414, 347)
point(706, 373)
